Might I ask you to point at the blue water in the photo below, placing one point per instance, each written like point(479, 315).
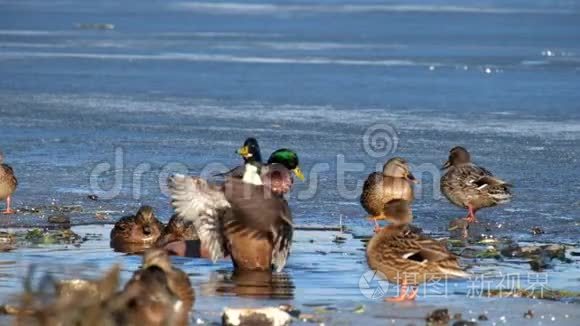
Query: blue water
point(179, 84)
point(186, 82)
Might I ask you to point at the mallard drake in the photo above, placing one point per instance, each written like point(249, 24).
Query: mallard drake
point(140, 228)
point(8, 184)
point(405, 257)
point(250, 152)
point(395, 182)
point(177, 229)
point(289, 159)
point(160, 293)
point(470, 186)
point(249, 221)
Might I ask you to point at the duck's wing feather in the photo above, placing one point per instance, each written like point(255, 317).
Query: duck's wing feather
point(203, 204)
point(9, 174)
point(494, 187)
point(490, 181)
point(371, 198)
point(259, 213)
point(237, 172)
point(282, 241)
point(478, 177)
point(422, 249)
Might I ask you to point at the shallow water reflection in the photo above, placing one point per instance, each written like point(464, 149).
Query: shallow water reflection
point(130, 248)
point(265, 285)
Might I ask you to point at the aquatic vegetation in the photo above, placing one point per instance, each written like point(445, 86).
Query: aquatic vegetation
point(545, 294)
point(47, 237)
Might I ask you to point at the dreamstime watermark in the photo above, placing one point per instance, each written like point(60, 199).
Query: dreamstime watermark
point(380, 140)
point(109, 179)
point(373, 285)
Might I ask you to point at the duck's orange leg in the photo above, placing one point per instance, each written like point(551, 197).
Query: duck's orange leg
point(376, 219)
point(404, 295)
point(413, 295)
point(8, 209)
point(470, 218)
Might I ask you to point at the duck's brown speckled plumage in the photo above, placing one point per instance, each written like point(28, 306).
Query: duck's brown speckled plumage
point(8, 181)
point(142, 227)
point(394, 183)
point(406, 257)
point(156, 280)
point(250, 222)
point(468, 185)
point(177, 229)
point(73, 302)
point(8, 184)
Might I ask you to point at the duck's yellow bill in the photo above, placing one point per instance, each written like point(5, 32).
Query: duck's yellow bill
point(244, 151)
point(298, 173)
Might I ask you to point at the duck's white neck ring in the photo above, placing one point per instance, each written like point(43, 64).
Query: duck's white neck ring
point(251, 175)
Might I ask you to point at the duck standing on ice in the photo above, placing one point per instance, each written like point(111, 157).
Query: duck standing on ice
point(8, 184)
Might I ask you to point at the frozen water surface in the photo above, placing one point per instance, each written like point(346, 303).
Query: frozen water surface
point(179, 84)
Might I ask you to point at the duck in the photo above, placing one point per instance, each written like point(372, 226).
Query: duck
point(470, 186)
point(394, 182)
point(71, 302)
point(159, 293)
point(243, 218)
point(141, 228)
point(8, 184)
point(250, 152)
point(289, 159)
point(177, 229)
point(406, 257)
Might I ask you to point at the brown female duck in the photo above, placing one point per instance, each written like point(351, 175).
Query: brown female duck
point(162, 294)
point(177, 229)
point(470, 186)
point(405, 257)
point(8, 184)
point(141, 228)
point(249, 221)
point(395, 182)
point(71, 302)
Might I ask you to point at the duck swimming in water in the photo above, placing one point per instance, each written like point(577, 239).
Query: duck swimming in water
point(162, 294)
point(243, 218)
point(177, 229)
point(142, 227)
point(470, 186)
